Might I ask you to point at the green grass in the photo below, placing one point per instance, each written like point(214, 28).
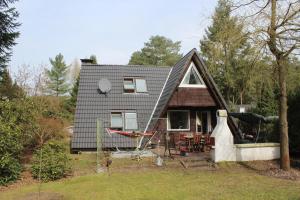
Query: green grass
point(229, 182)
point(131, 180)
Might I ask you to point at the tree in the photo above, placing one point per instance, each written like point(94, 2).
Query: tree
point(94, 59)
point(8, 33)
point(57, 83)
point(71, 102)
point(39, 81)
point(158, 51)
point(51, 162)
point(23, 78)
point(276, 25)
point(74, 92)
point(74, 70)
point(230, 58)
point(8, 89)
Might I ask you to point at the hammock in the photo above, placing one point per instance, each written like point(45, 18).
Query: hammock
point(128, 133)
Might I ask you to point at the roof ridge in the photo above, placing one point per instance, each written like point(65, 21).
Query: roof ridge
point(120, 65)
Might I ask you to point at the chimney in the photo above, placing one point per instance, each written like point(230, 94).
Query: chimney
point(86, 61)
point(223, 148)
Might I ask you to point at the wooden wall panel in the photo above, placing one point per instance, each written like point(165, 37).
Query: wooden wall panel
point(194, 97)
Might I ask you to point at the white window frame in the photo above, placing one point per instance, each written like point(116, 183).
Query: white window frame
point(209, 126)
point(192, 65)
point(124, 115)
point(134, 82)
point(145, 85)
point(168, 120)
point(124, 119)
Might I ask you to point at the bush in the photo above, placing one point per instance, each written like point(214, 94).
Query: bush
point(54, 162)
point(10, 169)
point(12, 128)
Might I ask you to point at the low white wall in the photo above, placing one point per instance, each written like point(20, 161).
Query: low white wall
point(225, 150)
point(257, 151)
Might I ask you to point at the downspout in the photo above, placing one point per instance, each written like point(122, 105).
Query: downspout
point(151, 116)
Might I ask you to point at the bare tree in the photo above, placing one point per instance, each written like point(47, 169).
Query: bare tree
point(39, 81)
point(32, 79)
point(276, 25)
point(74, 70)
point(23, 78)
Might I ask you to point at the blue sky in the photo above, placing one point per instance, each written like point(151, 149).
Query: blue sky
point(111, 30)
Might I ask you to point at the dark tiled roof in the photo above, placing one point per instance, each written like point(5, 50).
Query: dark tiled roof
point(172, 82)
point(92, 105)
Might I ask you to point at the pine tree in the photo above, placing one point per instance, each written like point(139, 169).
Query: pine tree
point(229, 55)
point(8, 35)
point(74, 93)
point(57, 83)
point(159, 51)
point(9, 89)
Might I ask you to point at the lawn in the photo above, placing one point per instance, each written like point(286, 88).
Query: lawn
point(131, 180)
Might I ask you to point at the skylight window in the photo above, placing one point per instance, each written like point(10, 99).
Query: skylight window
point(135, 85)
point(141, 85)
point(129, 85)
point(192, 78)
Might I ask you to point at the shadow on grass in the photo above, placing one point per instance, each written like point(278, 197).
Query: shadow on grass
point(42, 196)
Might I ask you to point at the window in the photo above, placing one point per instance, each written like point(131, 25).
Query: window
point(203, 122)
point(129, 85)
point(124, 120)
point(192, 78)
point(178, 120)
point(130, 121)
point(141, 85)
point(135, 85)
point(116, 120)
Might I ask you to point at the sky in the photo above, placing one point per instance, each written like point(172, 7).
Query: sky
point(111, 30)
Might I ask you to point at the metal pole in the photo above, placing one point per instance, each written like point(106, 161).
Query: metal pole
point(99, 147)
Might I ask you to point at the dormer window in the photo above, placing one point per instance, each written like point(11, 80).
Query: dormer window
point(192, 78)
point(135, 85)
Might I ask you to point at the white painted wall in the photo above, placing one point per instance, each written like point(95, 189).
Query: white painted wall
point(225, 150)
point(258, 151)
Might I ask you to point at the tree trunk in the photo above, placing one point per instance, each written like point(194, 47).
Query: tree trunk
point(283, 123)
point(282, 73)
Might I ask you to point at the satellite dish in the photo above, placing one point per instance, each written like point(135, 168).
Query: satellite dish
point(104, 85)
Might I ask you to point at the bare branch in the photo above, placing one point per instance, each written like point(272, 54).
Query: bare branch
point(287, 53)
point(287, 18)
point(242, 5)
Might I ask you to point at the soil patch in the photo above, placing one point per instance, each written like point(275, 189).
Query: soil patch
point(272, 168)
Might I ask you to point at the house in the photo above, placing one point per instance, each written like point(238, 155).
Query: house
point(179, 98)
